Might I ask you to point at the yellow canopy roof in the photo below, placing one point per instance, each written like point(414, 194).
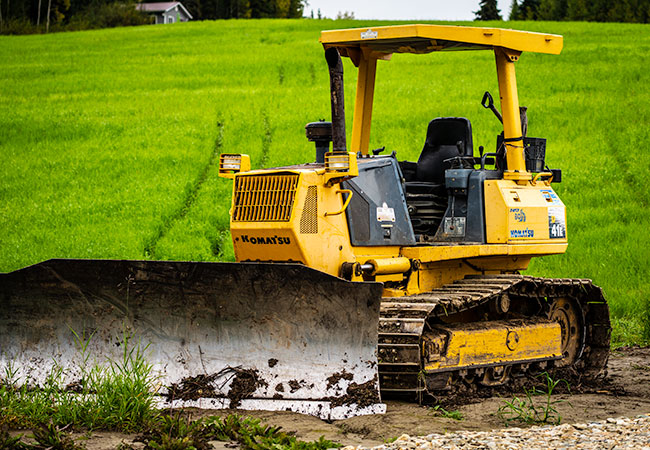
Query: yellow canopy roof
point(430, 38)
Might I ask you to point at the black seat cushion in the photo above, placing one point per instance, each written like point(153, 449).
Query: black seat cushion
point(442, 142)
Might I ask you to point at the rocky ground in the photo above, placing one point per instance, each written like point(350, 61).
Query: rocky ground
point(612, 414)
point(621, 433)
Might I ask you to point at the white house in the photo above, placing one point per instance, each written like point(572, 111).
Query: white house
point(166, 12)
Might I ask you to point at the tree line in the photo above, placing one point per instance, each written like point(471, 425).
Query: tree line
point(576, 10)
point(33, 16)
point(30, 16)
point(244, 9)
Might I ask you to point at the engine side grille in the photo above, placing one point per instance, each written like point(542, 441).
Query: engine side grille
point(264, 198)
point(309, 218)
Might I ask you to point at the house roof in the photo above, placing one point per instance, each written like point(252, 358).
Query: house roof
point(162, 7)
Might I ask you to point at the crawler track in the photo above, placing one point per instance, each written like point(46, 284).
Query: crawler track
point(403, 320)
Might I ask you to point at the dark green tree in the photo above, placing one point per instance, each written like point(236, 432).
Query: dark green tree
point(488, 10)
point(528, 9)
point(561, 9)
point(577, 10)
point(514, 11)
point(546, 10)
point(297, 8)
point(194, 8)
point(262, 9)
point(598, 10)
point(553, 9)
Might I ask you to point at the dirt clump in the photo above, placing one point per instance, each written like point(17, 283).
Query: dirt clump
point(364, 394)
point(333, 379)
point(192, 388)
point(245, 382)
point(76, 387)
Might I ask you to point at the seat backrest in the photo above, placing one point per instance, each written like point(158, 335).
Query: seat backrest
point(443, 134)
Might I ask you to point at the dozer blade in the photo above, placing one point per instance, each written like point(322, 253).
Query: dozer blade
point(263, 336)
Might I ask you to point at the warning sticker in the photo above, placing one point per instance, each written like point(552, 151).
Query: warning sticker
point(551, 196)
point(369, 34)
point(556, 222)
point(385, 214)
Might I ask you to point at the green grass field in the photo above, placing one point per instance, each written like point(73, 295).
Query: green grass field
point(108, 138)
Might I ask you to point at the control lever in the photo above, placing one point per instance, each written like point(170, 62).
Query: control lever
point(488, 103)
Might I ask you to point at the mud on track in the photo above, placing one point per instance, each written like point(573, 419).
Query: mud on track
point(625, 392)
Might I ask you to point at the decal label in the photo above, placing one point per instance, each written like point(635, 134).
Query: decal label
point(369, 34)
point(385, 214)
point(520, 215)
point(273, 240)
point(551, 196)
point(526, 233)
point(556, 222)
point(454, 226)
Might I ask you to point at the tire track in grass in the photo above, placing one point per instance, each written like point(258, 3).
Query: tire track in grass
point(223, 235)
point(267, 139)
point(191, 195)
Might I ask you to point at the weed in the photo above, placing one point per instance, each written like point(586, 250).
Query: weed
point(531, 411)
point(50, 437)
point(124, 393)
point(47, 436)
point(178, 433)
point(117, 396)
point(629, 331)
point(440, 411)
point(8, 442)
point(645, 333)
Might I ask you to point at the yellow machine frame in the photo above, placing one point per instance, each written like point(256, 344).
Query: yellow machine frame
point(509, 247)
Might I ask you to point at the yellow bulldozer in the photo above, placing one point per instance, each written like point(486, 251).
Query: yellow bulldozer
point(358, 276)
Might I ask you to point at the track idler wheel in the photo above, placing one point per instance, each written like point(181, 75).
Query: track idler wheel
point(569, 315)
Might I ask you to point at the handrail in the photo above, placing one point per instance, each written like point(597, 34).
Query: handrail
point(345, 205)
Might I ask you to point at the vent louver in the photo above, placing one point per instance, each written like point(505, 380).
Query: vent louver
point(309, 218)
point(264, 198)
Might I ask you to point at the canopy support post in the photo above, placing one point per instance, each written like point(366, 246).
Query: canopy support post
point(363, 103)
point(512, 133)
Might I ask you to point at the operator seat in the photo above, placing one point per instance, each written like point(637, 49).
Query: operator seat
point(447, 137)
point(426, 196)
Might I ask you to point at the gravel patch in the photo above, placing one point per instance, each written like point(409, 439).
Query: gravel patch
point(619, 433)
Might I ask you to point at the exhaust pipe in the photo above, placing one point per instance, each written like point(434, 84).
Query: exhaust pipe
point(338, 104)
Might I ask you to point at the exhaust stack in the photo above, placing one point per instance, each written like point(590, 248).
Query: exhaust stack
point(338, 104)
